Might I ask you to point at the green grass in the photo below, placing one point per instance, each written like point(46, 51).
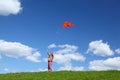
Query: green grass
point(63, 75)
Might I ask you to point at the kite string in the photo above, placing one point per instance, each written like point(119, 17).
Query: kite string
point(58, 35)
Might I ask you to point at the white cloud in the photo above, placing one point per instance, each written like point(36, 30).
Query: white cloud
point(0, 57)
point(65, 54)
point(42, 70)
point(117, 50)
point(108, 64)
point(100, 48)
point(52, 46)
point(17, 50)
point(6, 69)
point(70, 67)
point(65, 49)
point(34, 57)
point(66, 58)
point(8, 7)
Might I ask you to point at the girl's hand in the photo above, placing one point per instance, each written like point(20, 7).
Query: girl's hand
point(47, 52)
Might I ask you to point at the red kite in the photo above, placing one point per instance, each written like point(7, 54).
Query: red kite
point(67, 24)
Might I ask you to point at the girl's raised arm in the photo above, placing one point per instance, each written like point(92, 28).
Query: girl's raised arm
point(47, 52)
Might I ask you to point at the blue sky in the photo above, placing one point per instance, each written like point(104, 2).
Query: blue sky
point(30, 27)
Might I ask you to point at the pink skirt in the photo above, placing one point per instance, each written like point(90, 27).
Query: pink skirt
point(49, 65)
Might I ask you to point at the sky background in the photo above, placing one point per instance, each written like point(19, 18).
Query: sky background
point(28, 28)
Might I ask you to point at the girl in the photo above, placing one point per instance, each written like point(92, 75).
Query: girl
point(50, 59)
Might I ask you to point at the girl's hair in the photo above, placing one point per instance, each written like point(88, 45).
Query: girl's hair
point(51, 54)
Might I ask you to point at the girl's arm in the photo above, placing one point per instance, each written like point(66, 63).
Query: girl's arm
point(48, 53)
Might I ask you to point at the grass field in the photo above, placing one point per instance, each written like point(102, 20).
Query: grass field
point(63, 75)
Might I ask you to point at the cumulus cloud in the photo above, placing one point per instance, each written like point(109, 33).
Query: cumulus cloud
point(66, 53)
point(108, 64)
point(66, 58)
point(0, 57)
point(117, 50)
point(70, 67)
point(42, 70)
point(100, 48)
point(52, 46)
point(17, 50)
point(6, 69)
point(8, 7)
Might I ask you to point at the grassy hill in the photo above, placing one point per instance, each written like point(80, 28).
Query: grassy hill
point(63, 75)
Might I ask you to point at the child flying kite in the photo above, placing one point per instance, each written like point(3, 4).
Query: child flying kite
point(50, 59)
